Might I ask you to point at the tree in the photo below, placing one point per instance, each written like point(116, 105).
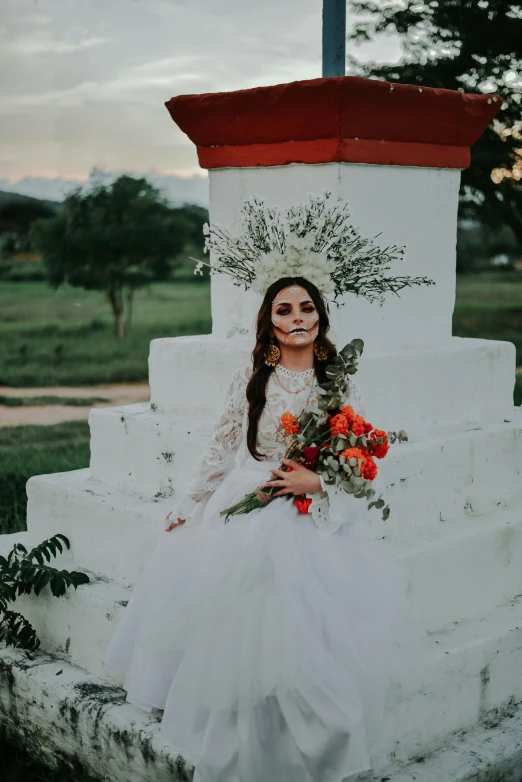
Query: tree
point(114, 237)
point(470, 45)
point(16, 218)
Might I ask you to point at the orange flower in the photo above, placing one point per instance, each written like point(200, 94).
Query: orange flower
point(290, 423)
point(353, 453)
point(348, 413)
point(358, 425)
point(339, 424)
point(368, 466)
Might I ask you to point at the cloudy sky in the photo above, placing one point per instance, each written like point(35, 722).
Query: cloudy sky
point(84, 81)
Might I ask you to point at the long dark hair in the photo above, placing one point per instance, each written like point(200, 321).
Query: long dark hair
point(256, 388)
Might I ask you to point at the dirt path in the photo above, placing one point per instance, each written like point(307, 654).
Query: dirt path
point(118, 393)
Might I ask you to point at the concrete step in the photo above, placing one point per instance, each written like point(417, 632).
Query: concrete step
point(444, 563)
point(475, 680)
point(144, 452)
point(111, 532)
point(402, 389)
point(438, 475)
point(472, 726)
point(80, 623)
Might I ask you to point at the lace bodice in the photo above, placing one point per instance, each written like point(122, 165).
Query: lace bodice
point(286, 391)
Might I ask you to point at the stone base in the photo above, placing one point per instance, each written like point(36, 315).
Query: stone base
point(68, 718)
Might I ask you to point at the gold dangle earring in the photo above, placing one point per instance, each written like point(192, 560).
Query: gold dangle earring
point(272, 354)
point(320, 351)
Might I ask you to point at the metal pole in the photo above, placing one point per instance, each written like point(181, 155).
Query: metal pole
point(334, 37)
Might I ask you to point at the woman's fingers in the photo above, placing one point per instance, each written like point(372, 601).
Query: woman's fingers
point(274, 484)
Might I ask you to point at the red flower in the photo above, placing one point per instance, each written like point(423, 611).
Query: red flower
point(378, 449)
point(367, 427)
point(302, 504)
point(311, 454)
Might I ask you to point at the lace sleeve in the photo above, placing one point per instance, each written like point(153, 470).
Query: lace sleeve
point(220, 449)
point(333, 507)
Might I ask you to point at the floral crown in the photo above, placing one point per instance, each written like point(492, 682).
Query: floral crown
point(315, 240)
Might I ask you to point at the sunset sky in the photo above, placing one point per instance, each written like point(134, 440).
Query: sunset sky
point(84, 81)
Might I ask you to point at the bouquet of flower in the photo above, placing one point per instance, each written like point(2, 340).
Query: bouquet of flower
point(332, 440)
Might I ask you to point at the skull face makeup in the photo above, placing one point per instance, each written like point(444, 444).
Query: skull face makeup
point(294, 317)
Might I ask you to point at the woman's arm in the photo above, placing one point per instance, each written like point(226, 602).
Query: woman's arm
point(219, 452)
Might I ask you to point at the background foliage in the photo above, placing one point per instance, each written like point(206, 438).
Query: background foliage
point(470, 45)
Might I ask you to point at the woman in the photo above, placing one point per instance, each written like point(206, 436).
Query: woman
point(267, 641)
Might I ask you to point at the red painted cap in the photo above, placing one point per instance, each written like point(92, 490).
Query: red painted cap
point(335, 119)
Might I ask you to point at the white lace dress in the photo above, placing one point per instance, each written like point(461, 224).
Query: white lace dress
point(268, 641)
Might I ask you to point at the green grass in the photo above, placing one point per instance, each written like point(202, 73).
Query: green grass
point(65, 337)
point(36, 450)
point(47, 399)
point(489, 305)
point(517, 394)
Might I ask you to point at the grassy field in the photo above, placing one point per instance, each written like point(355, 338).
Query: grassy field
point(36, 450)
point(489, 305)
point(64, 337)
point(50, 399)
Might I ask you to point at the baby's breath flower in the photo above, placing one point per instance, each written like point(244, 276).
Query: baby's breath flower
point(314, 240)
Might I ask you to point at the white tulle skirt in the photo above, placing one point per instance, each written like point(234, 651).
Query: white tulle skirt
point(268, 643)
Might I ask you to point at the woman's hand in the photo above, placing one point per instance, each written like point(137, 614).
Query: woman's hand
point(173, 524)
point(298, 480)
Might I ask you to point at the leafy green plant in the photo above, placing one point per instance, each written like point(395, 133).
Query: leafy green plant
point(23, 572)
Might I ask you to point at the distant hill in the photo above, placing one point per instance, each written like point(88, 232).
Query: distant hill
point(16, 198)
point(177, 189)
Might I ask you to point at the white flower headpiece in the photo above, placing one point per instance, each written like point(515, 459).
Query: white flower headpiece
point(315, 241)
